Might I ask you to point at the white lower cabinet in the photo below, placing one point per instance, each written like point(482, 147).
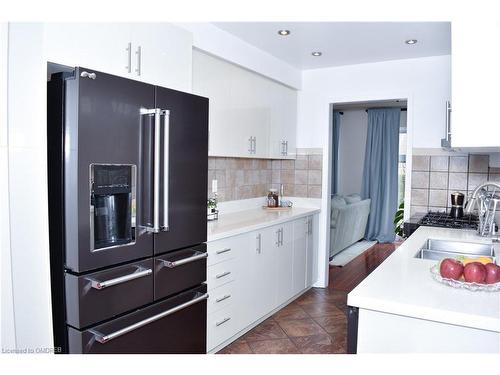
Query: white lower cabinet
point(251, 274)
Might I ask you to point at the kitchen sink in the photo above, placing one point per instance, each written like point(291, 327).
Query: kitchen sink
point(440, 249)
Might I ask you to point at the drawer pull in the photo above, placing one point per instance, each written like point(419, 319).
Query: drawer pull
point(223, 251)
point(140, 272)
point(223, 274)
point(223, 298)
point(194, 258)
point(222, 321)
point(105, 338)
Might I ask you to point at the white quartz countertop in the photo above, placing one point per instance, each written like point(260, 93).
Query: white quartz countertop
point(403, 285)
point(239, 222)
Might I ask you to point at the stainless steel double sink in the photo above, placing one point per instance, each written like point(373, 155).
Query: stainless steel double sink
point(440, 249)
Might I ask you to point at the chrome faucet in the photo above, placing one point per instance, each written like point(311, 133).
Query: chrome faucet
point(486, 202)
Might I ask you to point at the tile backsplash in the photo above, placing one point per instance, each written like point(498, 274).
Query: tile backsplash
point(244, 178)
point(434, 178)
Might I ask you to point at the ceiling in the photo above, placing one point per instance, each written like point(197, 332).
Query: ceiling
point(343, 43)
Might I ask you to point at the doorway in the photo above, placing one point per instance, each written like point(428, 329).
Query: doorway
point(350, 205)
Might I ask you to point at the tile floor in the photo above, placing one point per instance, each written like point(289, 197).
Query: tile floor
point(316, 322)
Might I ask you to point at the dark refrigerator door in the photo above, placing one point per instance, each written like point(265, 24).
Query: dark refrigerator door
point(103, 140)
point(188, 170)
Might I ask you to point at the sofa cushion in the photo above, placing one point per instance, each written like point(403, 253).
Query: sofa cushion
point(337, 202)
point(352, 198)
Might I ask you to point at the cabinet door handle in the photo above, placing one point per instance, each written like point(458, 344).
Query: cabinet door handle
point(254, 145)
point(224, 274)
point(286, 147)
point(222, 321)
point(129, 58)
point(223, 298)
point(281, 236)
point(250, 145)
point(446, 142)
point(139, 58)
point(218, 252)
point(259, 243)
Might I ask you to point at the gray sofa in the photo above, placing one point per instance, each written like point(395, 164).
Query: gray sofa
point(349, 216)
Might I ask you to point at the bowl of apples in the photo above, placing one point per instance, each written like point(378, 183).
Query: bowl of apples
point(475, 274)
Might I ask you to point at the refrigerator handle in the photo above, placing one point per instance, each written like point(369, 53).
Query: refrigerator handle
point(157, 113)
point(166, 149)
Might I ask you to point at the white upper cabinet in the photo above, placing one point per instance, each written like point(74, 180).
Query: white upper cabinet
point(156, 53)
point(162, 55)
point(475, 82)
point(249, 115)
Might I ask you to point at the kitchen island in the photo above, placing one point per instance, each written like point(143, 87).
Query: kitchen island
point(399, 308)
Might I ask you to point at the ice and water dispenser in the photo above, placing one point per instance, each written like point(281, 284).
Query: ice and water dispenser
point(112, 205)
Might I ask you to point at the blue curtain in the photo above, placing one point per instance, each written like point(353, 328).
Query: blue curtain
point(380, 173)
point(335, 152)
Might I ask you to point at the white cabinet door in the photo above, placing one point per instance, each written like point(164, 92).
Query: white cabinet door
point(256, 276)
point(475, 82)
point(244, 105)
point(162, 55)
point(100, 46)
point(283, 247)
point(300, 239)
point(282, 140)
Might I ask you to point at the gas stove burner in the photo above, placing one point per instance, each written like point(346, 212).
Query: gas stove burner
point(442, 219)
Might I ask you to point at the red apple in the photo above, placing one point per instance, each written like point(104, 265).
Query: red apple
point(451, 269)
point(492, 273)
point(475, 272)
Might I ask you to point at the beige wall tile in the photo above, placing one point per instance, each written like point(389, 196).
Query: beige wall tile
point(287, 164)
point(439, 163)
point(301, 191)
point(287, 176)
point(457, 181)
point(302, 162)
point(476, 179)
point(479, 163)
point(438, 180)
point(301, 177)
point(314, 191)
point(420, 197)
point(459, 163)
point(420, 180)
point(275, 176)
point(314, 177)
point(438, 198)
point(421, 163)
point(276, 164)
point(315, 161)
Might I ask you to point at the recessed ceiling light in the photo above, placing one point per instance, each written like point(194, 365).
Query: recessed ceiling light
point(316, 53)
point(411, 41)
point(284, 32)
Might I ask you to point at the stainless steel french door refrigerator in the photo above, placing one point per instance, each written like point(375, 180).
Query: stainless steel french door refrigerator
point(127, 167)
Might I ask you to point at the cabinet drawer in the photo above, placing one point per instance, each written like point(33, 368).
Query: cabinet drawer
point(221, 297)
point(221, 250)
point(179, 270)
point(221, 325)
point(176, 325)
point(220, 274)
point(101, 295)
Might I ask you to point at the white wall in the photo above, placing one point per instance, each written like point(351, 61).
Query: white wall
point(220, 43)
point(27, 177)
point(427, 80)
point(7, 316)
point(424, 82)
point(352, 145)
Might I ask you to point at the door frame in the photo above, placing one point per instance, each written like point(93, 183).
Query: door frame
point(327, 161)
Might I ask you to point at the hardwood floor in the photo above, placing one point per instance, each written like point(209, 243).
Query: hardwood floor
point(316, 322)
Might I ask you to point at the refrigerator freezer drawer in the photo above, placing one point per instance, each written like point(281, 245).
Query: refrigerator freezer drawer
point(101, 295)
point(173, 326)
point(180, 270)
